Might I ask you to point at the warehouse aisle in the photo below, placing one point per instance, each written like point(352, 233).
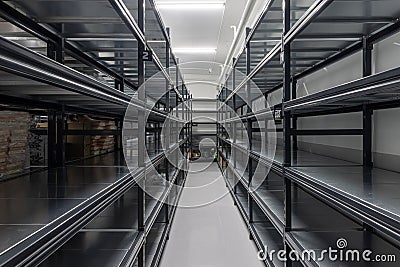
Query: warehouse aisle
point(210, 235)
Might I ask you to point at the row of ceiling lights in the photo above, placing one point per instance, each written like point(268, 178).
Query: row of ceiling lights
point(193, 5)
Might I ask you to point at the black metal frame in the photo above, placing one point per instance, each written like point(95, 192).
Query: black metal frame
point(12, 15)
point(330, 101)
point(43, 243)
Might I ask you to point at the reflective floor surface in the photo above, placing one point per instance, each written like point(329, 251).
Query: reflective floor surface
point(210, 235)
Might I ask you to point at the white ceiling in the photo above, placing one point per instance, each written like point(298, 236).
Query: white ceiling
point(203, 28)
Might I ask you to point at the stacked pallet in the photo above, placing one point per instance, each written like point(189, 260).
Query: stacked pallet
point(99, 143)
point(13, 141)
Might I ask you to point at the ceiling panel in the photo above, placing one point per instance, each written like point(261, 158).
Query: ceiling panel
point(203, 28)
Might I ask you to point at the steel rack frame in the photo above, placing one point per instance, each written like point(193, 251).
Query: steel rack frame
point(289, 40)
point(154, 217)
point(10, 14)
point(66, 67)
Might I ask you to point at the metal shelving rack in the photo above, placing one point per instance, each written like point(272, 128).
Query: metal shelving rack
point(204, 121)
point(90, 58)
point(289, 42)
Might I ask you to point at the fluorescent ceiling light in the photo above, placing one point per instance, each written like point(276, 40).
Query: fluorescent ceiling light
point(195, 50)
point(88, 39)
point(156, 41)
point(194, 5)
point(15, 38)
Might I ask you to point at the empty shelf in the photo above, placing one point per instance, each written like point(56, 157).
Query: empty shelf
point(373, 193)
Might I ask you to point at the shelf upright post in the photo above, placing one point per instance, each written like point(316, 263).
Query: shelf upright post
point(217, 125)
point(177, 123)
point(179, 86)
point(187, 122)
point(156, 136)
point(167, 125)
point(119, 81)
point(294, 122)
point(119, 84)
point(187, 111)
point(189, 126)
point(191, 122)
point(223, 144)
point(56, 51)
point(248, 70)
point(220, 112)
point(249, 127)
point(220, 118)
point(286, 85)
point(287, 122)
point(367, 111)
point(184, 150)
point(167, 96)
point(185, 118)
point(141, 131)
point(294, 136)
point(217, 105)
point(61, 137)
point(51, 47)
point(177, 109)
point(227, 128)
point(52, 120)
point(367, 124)
point(226, 116)
point(52, 138)
point(59, 48)
point(234, 154)
point(121, 139)
point(167, 179)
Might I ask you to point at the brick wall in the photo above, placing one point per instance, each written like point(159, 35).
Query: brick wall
point(14, 128)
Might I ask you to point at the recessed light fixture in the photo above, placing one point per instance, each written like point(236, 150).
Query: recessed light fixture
point(16, 38)
point(195, 50)
point(191, 5)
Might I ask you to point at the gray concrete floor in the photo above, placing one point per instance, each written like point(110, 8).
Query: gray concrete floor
point(208, 235)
